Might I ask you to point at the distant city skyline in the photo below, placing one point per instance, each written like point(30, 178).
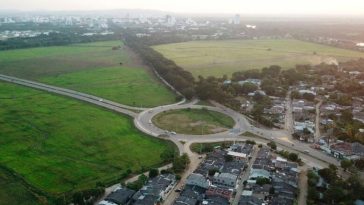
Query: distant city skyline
point(283, 7)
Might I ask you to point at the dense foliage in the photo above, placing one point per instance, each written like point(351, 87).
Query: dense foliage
point(53, 39)
point(180, 79)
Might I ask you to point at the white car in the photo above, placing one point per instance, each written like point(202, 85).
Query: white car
point(173, 133)
point(101, 100)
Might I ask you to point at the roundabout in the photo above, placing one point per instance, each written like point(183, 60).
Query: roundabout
point(193, 121)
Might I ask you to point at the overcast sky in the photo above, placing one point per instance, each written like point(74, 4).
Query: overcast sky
point(331, 7)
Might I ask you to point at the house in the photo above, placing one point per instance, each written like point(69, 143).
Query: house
point(341, 150)
point(216, 200)
point(155, 190)
point(183, 200)
point(258, 173)
point(120, 196)
point(225, 179)
point(191, 195)
point(358, 149)
point(359, 116)
point(256, 82)
point(197, 180)
point(302, 92)
point(250, 200)
point(219, 191)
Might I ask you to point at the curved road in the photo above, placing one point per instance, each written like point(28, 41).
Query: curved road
point(143, 122)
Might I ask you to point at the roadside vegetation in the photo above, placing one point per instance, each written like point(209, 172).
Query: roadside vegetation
point(203, 148)
point(326, 188)
point(106, 69)
point(60, 146)
point(193, 121)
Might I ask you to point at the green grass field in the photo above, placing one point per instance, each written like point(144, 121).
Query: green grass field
point(93, 68)
point(131, 86)
point(193, 121)
point(13, 191)
point(58, 145)
point(216, 58)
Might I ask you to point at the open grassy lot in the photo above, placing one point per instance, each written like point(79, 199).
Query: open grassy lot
point(131, 86)
point(13, 191)
point(59, 145)
point(217, 58)
point(93, 68)
point(193, 121)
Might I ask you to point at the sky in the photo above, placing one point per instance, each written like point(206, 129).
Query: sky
point(305, 7)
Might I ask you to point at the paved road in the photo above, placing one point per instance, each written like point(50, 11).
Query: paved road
point(288, 120)
point(74, 94)
point(317, 121)
point(245, 176)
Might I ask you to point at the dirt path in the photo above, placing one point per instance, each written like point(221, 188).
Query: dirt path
point(195, 161)
point(302, 184)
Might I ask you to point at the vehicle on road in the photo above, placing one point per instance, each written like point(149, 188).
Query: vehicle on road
point(101, 100)
point(173, 133)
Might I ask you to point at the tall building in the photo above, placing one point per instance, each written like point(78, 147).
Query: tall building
point(236, 19)
point(170, 20)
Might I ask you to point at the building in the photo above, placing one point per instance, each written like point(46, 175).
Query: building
point(155, 190)
point(225, 179)
point(197, 180)
point(236, 20)
point(120, 196)
point(258, 173)
point(219, 191)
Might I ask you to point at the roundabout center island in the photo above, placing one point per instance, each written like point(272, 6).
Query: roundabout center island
point(193, 121)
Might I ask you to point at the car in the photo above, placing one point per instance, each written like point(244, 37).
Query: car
point(101, 100)
point(173, 133)
point(306, 151)
point(200, 157)
point(178, 190)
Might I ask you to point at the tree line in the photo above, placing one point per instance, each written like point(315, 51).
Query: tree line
point(53, 39)
point(176, 76)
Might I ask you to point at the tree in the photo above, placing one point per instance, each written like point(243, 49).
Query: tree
point(167, 155)
point(328, 174)
point(213, 171)
point(272, 145)
point(180, 163)
point(262, 180)
point(293, 157)
point(308, 96)
point(295, 94)
point(346, 164)
point(153, 173)
point(359, 164)
point(248, 88)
